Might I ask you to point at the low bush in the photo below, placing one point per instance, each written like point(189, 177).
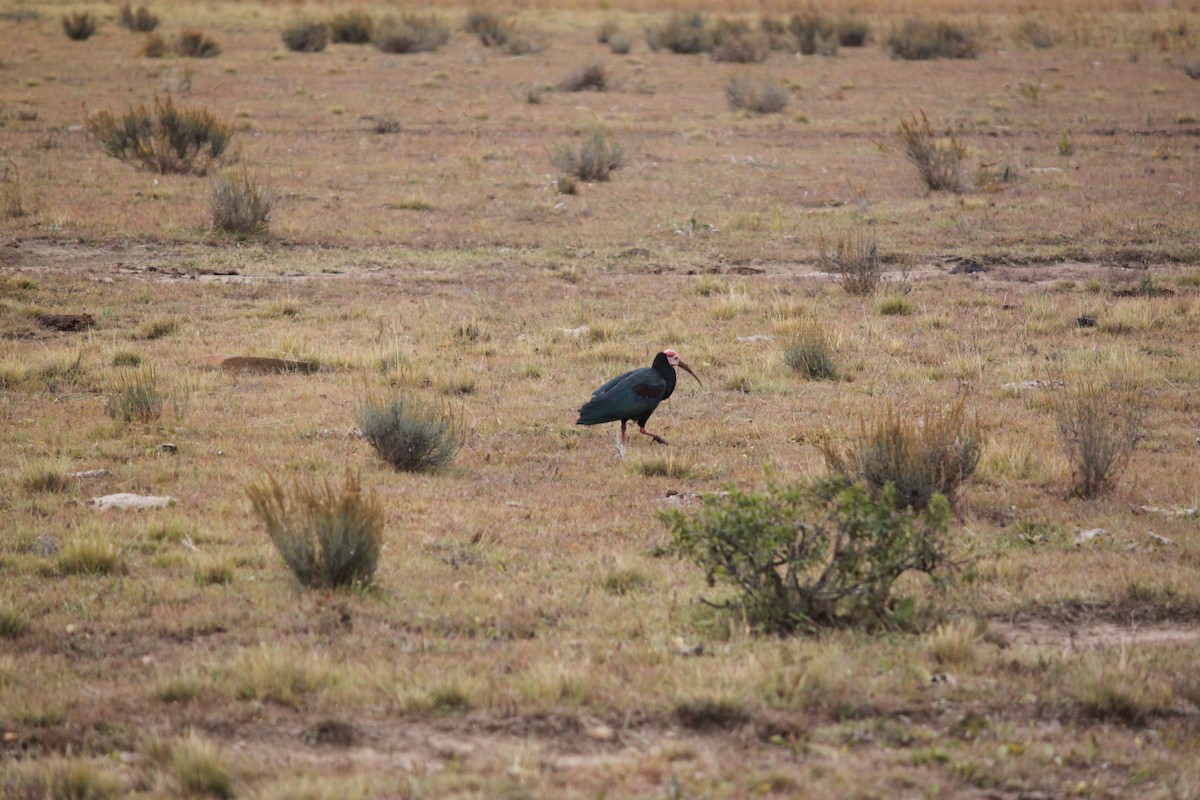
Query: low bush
point(327, 535)
point(350, 27)
point(681, 33)
point(620, 43)
point(239, 203)
point(852, 31)
point(938, 160)
point(814, 33)
point(306, 36)
point(411, 33)
point(79, 25)
point(135, 396)
point(492, 29)
point(154, 46)
point(409, 434)
point(139, 21)
point(760, 96)
point(920, 39)
point(1031, 33)
point(165, 139)
point(744, 49)
point(592, 76)
point(595, 160)
point(1100, 426)
point(192, 43)
point(825, 554)
point(811, 353)
point(854, 262)
point(920, 458)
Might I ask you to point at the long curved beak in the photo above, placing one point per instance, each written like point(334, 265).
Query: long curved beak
point(688, 369)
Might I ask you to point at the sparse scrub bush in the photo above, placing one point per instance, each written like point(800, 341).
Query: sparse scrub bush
point(607, 30)
point(741, 49)
point(1031, 33)
point(329, 536)
point(920, 39)
point(810, 353)
point(852, 31)
point(592, 76)
point(385, 123)
point(1192, 68)
point(306, 36)
point(409, 434)
point(620, 43)
point(199, 770)
point(807, 556)
point(139, 21)
point(350, 27)
point(412, 33)
point(939, 161)
point(154, 46)
point(681, 33)
point(135, 396)
point(760, 96)
point(854, 262)
point(492, 29)
point(597, 157)
point(933, 455)
point(239, 203)
point(79, 25)
point(165, 139)
point(1100, 425)
point(192, 43)
point(814, 33)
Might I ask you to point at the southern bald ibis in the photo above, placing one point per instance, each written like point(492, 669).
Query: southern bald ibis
point(634, 395)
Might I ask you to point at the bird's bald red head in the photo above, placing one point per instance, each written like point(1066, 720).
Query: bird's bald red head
point(670, 354)
point(675, 361)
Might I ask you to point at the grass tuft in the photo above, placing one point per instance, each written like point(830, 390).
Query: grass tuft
point(592, 76)
point(854, 261)
point(938, 160)
point(810, 353)
point(210, 571)
point(621, 582)
point(596, 159)
point(239, 204)
point(306, 36)
point(59, 778)
point(350, 27)
point(139, 21)
point(43, 479)
point(80, 25)
point(13, 624)
point(198, 768)
point(409, 434)
point(192, 43)
point(412, 33)
point(1099, 425)
point(135, 396)
point(165, 139)
point(921, 39)
point(91, 554)
point(681, 33)
point(760, 96)
point(328, 535)
point(667, 467)
point(1114, 687)
point(282, 677)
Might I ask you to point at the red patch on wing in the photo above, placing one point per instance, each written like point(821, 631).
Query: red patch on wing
point(647, 390)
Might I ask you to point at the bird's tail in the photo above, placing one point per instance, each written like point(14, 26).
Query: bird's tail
point(591, 413)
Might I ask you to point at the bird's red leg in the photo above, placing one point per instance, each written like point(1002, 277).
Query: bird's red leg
point(623, 424)
point(653, 436)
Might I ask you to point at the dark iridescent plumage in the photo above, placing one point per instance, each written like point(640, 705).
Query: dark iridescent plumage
point(634, 395)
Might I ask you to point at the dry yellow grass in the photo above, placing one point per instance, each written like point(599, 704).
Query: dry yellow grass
point(523, 636)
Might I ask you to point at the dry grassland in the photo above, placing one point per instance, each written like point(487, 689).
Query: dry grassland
point(526, 634)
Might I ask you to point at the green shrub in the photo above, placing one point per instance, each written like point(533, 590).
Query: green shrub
point(412, 33)
point(933, 455)
point(854, 262)
point(135, 396)
point(681, 33)
point(598, 156)
point(939, 161)
point(920, 39)
point(811, 354)
point(591, 76)
point(192, 43)
point(409, 434)
point(350, 27)
point(306, 36)
point(760, 96)
point(79, 25)
point(328, 535)
point(165, 139)
point(239, 204)
point(1100, 425)
point(140, 21)
point(814, 33)
point(809, 556)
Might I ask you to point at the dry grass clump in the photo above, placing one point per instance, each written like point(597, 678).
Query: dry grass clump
point(192, 43)
point(1031, 33)
point(760, 96)
point(306, 36)
point(810, 353)
point(920, 39)
point(156, 328)
point(154, 46)
point(596, 159)
point(12, 204)
point(59, 778)
point(91, 553)
point(79, 25)
point(44, 479)
point(938, 160)
point(411, 33)
point(139, 21)
point(408, 434)
point(744, 49)
point(815, 34)
point(854, 262)
point(165, 139)
point(239, 203)
point(853, 31)
point(13, 624)
point(500, 33)
point(198, 768)
point(681, 33)
point(328, 535)
point(385, 123)
point(135, 396)
point(592, 76)
point(1114, 687)
point(955, 643)
point(350, 27)
point(1099, 425)
point(935, 453)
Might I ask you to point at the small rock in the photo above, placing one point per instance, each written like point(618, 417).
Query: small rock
point(1166, 512)
point(756, 337)
point(67, 323)
point(91, 473)
point(946, 678)
point(1041, 170)
point(168, 447)
point(1023, 385)
point(576, 332)
point(1086, 536)
point(687, 650)
point(262, 366)
point(600, 732)
point(1154, 537)
point(134, 502)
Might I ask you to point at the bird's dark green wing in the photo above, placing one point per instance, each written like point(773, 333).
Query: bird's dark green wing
point(630, 396)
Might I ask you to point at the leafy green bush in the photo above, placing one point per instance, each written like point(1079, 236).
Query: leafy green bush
point(412, 33)
point(760, 96)
point(140, 21)
point(409, 434)
point(938, 160)
point(165, 139)
point(328, 535)
point(239, 204)
point(597, 157)
point(306, 36)
point(350, 27)
point(807, 556)
point(920, 458)
point(135, 396)
point(681, 33)
point(920, 39)
point(811, 354)
point(79, 25)
point(1100, 425)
